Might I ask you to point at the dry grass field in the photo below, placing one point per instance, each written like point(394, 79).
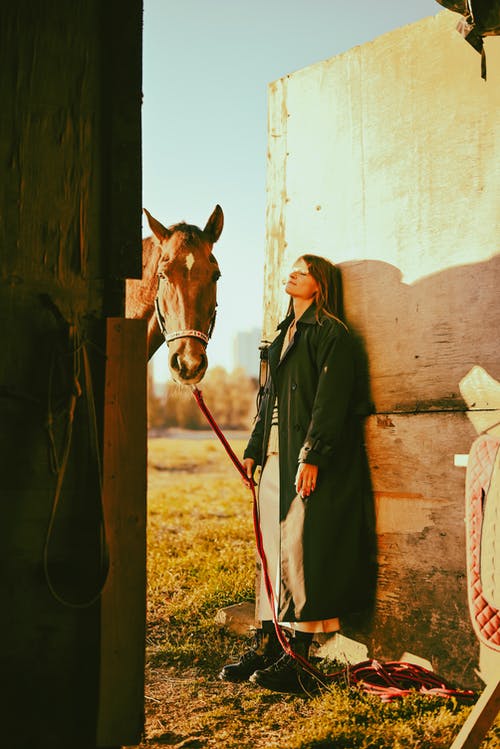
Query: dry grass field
point(201, 558)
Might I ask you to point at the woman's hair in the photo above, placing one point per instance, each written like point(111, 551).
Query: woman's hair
point(329, 295)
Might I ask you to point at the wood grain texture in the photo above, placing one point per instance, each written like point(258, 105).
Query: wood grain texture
point(123, 602)
point(421, 603)
point(480, 718)
point(54, 196)
point(123, 81)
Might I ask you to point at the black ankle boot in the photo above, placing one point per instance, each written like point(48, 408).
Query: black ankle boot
point(264, 651)
point(286, 674)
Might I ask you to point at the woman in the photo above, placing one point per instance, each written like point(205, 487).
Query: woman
point(314, 493)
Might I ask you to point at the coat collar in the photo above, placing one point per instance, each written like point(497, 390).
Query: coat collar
point(275, 358)
point(308, 318)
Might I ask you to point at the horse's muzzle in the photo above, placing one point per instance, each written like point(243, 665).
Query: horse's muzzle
point(188, 362)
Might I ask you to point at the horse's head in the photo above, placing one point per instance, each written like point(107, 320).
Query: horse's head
point(186, 297)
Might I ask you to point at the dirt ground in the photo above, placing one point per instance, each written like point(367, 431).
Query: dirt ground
point(190, 710)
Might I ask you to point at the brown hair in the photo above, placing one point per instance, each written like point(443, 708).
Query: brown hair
point(329, 295)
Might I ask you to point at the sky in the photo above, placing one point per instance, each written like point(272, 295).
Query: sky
point(206, 70)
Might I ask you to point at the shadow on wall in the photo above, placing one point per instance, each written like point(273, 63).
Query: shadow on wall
point(417, 343)
point(422, 338)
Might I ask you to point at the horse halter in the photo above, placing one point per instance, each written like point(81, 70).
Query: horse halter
point(205, 337)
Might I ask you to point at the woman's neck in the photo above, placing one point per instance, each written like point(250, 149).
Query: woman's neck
point(300, 306)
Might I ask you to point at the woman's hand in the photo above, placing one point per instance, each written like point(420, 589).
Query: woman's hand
point(249, 466)
point(306, 479)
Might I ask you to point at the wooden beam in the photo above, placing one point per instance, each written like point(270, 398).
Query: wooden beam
point(123, 603)
point(123, 76)
point(480, 718)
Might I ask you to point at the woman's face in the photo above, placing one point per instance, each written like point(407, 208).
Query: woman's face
point(300, 284)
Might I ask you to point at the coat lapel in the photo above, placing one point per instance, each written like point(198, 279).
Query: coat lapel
point(275, 357)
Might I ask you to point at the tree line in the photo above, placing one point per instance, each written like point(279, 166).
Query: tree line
point(230, 396)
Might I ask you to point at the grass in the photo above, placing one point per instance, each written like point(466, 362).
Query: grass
point(201, 558)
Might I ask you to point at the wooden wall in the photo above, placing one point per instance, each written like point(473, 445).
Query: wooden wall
point(386, 160)
point(70, 209)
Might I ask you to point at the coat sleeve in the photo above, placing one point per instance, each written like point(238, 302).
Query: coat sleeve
point(255, 446)
point(333, 397)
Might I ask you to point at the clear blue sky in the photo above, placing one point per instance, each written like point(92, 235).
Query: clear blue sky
point(207, 66)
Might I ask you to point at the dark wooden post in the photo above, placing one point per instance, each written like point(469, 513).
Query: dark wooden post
point(69, 234)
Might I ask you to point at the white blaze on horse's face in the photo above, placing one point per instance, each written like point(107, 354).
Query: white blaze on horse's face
point(188, 274)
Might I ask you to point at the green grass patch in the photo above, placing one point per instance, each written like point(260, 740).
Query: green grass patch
point(200, 549)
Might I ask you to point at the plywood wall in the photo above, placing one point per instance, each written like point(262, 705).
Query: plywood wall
point(386, 160)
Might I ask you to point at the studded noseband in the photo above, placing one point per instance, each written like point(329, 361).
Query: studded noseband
point(181, 333)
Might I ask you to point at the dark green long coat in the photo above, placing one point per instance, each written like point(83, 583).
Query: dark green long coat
point(327, 540)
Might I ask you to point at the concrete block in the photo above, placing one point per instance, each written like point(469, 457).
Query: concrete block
point(239, 618)
point(341, 648)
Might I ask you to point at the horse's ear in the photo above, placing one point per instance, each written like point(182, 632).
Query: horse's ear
point(215, 224)
point(158, 229)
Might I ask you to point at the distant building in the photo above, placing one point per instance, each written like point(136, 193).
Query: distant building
point(246, 351)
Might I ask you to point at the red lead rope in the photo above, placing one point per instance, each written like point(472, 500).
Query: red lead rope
point(284, 642)
point(256, 523)
point(389, 680)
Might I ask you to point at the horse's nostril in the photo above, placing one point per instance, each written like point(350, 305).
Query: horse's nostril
point(175, 362)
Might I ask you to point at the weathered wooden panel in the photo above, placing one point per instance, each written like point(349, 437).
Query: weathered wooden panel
point(50, 148)
point(123, 602)
point(386, 160)
point(480, 718)
point(51, 572)
point(55, 131)
point(421, 602)
point(422, 338)
point(275, 206)
point(123, 87)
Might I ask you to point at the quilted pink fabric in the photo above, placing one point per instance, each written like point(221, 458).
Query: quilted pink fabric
point(485, 618)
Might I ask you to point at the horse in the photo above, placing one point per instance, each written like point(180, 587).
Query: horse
point(177, 293)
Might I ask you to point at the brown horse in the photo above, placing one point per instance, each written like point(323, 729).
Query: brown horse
point(177, 293)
